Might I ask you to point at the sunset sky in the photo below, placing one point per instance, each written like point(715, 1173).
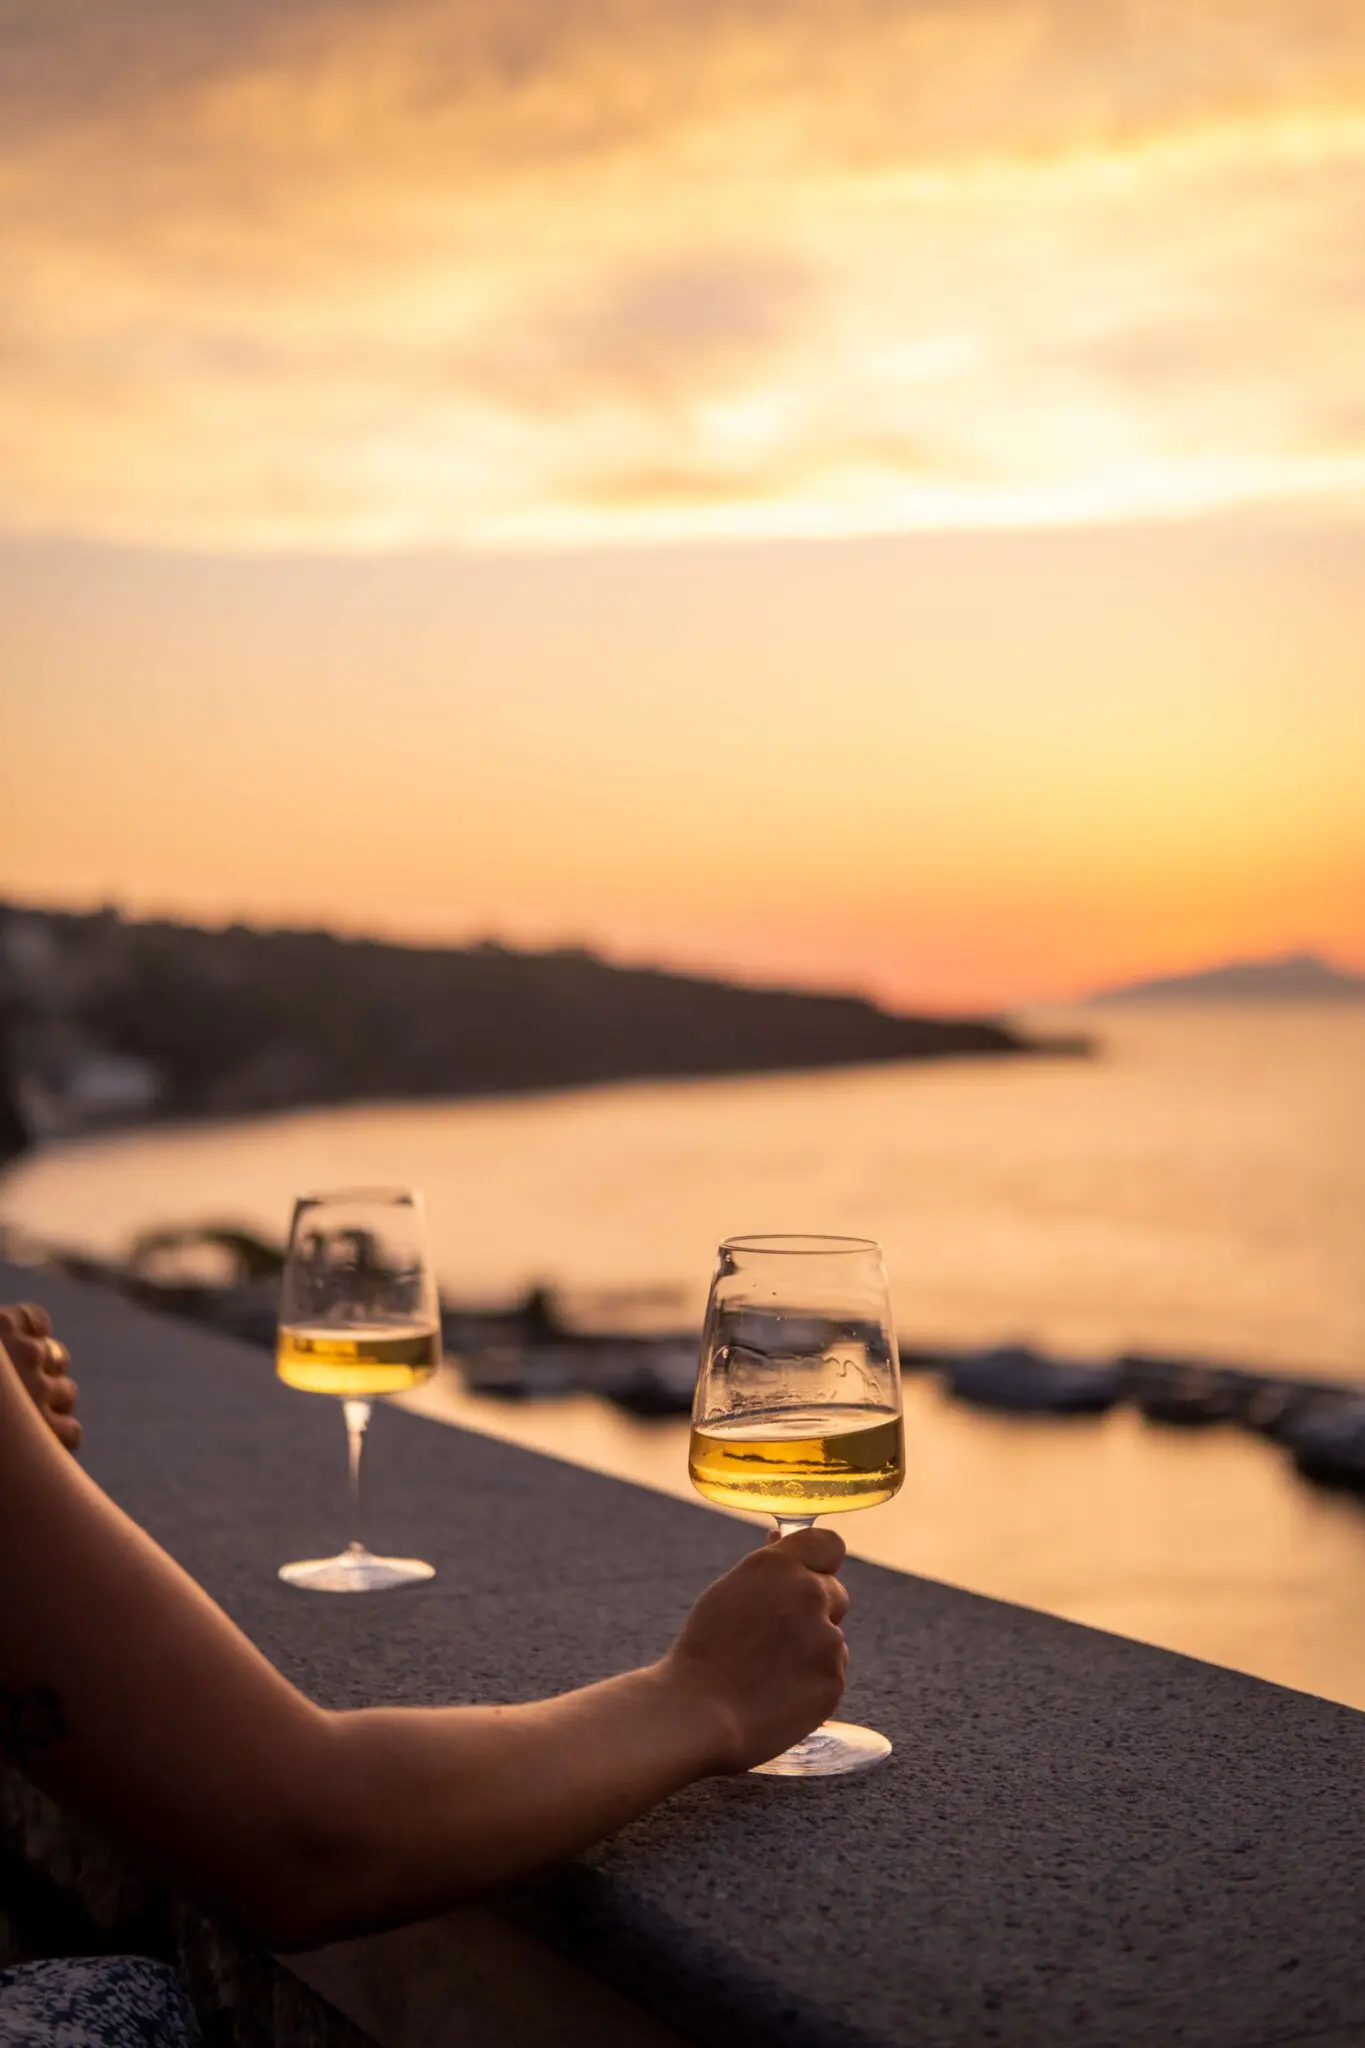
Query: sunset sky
point(858, 493)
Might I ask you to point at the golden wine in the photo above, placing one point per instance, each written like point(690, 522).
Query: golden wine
point(356, 1363)
point(800, 1461)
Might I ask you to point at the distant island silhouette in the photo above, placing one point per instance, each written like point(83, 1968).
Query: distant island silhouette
point(1287, 977)
point(105, 1020)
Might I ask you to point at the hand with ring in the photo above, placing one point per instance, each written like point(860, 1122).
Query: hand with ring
point(44, 1366)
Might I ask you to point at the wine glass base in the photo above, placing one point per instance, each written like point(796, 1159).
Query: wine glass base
point(355, 1571)
point(833, 1747)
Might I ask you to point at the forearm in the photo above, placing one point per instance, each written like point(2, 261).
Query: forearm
point(438, 1804)
point(137, 1703)
point(150, 1714)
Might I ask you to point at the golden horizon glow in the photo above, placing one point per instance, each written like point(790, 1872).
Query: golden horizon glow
point(964, 771)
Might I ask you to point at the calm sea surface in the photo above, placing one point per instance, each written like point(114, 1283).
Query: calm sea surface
point(1199, 1188)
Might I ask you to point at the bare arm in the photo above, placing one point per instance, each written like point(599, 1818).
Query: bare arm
point(132, 1698)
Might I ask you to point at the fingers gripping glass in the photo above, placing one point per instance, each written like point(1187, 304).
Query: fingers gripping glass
point(798, 1410)
point(359, 1318)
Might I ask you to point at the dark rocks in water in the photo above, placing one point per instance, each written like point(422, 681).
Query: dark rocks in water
point(222, 1254)
point(651, 1377)
point(1175, 1391)
point(1193, 1393)
point(1195, 1405)
point(1275, 1408)
point(250, 1312)
point(508, 1372)
point(922, 1358)
point(1321, 1423)
point(219, 1274)
point(1021, 1381)
point(1327, 1441)
point(646, 1376)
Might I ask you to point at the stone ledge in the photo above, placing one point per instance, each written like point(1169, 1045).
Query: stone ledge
point(1079, 1840)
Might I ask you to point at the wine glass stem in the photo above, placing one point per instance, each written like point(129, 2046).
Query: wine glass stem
point(357, 1415)
point(787, 1525)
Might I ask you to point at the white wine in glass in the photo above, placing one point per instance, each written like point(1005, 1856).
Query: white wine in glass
point(359, 1319)
point(798, 1410)
point(361, 1364)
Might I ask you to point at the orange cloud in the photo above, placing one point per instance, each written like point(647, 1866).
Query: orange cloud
point(514, 273)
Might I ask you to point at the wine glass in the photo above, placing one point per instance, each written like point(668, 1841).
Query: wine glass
point(359, 1318)
point(798, 1411)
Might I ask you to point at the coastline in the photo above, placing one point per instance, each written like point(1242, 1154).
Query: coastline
point(113, 1023)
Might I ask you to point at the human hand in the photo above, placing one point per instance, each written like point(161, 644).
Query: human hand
point(43, 1366)
point(762, 1651)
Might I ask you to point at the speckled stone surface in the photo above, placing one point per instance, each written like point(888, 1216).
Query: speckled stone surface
point(1079, 1840)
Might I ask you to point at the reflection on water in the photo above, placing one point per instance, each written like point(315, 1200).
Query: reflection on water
point(1199, 1189)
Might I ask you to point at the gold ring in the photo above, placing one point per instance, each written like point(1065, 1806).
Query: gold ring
point(58, 1357)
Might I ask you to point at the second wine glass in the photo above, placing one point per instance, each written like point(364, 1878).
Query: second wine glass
point(359, 1318)
point(798, 1410)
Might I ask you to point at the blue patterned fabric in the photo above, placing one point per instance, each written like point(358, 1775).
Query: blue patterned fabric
point(95, 2002)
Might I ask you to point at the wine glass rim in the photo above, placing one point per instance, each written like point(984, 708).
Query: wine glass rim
point(799, 1243)
point(393, 1194)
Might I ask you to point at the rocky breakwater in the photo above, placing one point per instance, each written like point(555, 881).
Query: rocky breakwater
point(1320, 1423)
